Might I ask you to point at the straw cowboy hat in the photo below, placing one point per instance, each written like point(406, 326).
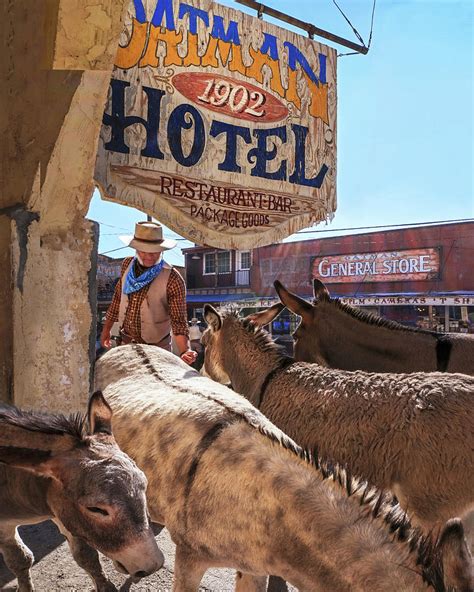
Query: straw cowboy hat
point(148, 238)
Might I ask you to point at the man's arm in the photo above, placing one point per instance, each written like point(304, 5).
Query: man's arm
point(111, 316)
point(186, 353)
point(176, 296)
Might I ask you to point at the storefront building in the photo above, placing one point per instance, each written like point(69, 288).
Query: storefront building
point(421, 276)
point(217, 277)
point(108, 273)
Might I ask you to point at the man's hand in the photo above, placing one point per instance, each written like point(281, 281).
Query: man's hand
point(189, 356)
point(105, 339)
point(105, 334)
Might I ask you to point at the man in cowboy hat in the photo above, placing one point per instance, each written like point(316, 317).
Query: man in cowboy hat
point(150, 297)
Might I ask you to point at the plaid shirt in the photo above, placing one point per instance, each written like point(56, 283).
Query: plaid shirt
point(175, 294)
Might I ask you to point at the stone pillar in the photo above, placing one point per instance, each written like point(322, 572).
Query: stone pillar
point(56, 61)
point(54, 305)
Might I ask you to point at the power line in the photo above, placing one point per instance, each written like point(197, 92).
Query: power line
point(113, 250)
point(412, 224)
point(112, 226)
point(126, 247)
point(173, 237)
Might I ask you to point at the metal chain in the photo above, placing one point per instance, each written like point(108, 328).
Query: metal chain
point(357, 34)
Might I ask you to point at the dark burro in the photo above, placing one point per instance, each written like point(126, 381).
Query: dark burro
point(70, 469)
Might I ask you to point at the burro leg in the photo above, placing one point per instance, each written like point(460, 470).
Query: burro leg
point(276, 584)
point(18, 558)
point(87, 558)
point(188, 570)
point(248, 583)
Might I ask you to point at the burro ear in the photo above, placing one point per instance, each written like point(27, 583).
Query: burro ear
point(35, 461)
point(293, 302)
point(99, 414)
point(457, 561)
point(16, 433)
point(320, 291)
point(266, 316)
point(212, 317)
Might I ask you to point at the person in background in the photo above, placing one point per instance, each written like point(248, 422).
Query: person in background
point(195, 335)
point(195, 338)
point(150, 297)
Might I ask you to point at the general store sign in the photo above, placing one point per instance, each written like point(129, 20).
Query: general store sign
point(220, 125)
point(387, 266)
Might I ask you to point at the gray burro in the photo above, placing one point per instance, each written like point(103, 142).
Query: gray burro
point(57, 468)
point(234, 491)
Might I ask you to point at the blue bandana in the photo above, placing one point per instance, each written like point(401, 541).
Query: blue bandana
point(133, 284)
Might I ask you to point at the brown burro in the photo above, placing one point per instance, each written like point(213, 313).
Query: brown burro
point(410, 433)
point(234, 491)
point(55, 468)
point(338, 335)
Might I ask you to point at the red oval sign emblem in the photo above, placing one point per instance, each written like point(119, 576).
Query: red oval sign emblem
point(230, 97)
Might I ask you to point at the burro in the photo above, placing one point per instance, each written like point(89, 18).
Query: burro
point(234, 491)
point(263, 143)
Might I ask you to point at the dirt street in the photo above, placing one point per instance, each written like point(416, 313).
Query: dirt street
point(56, 571)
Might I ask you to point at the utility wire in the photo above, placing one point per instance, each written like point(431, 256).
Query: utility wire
point(412, 224)
point(173, 237)
point(113, 250)
point(112, 225)
point(126, 247)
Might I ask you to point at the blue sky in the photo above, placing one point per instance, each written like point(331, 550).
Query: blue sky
point(405, 118)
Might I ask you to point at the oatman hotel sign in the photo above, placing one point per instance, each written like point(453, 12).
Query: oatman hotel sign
point(219, 124)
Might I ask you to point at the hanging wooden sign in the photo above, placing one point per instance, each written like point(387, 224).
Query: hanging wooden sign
point(219, 124)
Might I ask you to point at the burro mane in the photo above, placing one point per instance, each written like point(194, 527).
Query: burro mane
point(370, 318)
point(46, 423)
point(379, 505)
point(260, 336)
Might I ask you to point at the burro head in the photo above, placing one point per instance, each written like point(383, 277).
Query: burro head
point(221, 334)
point(305, 338)
point(453, 558)
point(96, 492)
point(213, 340)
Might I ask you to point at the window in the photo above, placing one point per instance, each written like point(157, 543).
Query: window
point(223, 262)
point(209, 263)
point(245, 259)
